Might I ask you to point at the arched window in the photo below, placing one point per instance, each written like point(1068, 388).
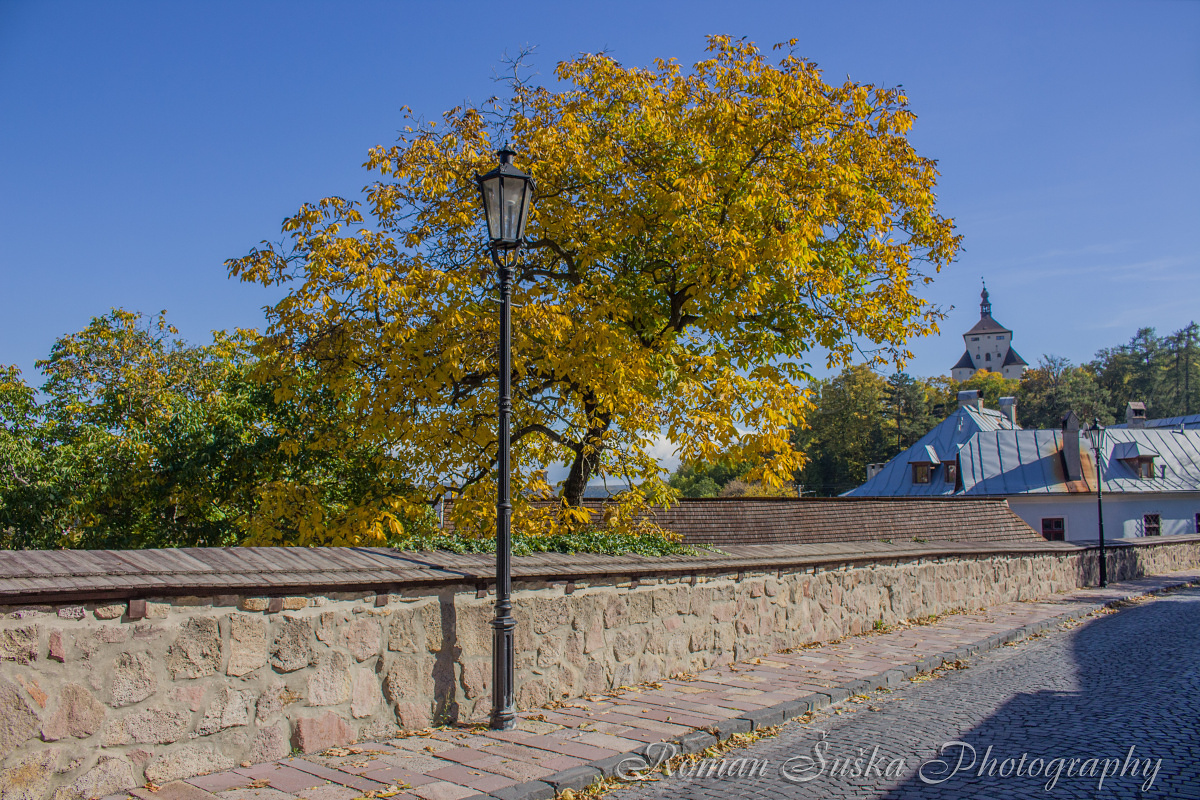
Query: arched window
point(987, 357)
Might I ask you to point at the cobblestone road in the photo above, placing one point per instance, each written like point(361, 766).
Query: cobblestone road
point(1118, 687)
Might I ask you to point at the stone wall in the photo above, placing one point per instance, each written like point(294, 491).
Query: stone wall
point(100, 697)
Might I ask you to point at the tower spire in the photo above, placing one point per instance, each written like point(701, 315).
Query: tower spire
point(985, 305)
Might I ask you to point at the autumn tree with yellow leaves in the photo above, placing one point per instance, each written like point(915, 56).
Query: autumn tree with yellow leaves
point(698, 235)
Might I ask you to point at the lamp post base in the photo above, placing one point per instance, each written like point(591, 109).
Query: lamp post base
point(504, 712)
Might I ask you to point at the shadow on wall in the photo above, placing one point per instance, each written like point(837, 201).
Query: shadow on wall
point(1119, 708)
point(445, 710)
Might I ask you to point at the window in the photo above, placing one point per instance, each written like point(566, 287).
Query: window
point(951, 470)
point(920, 473)
point(1151, 525)
point(1198, 523)
point(988, 357)
point(974, 338)
point(1145, 467)
point(1054, 529)
point(1000, 337)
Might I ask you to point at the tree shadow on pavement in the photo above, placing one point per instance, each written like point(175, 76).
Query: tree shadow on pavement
point(1125, 725)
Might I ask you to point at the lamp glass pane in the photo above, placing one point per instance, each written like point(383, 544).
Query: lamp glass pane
point(491, 205)
point(526, 202)
point(512, 195)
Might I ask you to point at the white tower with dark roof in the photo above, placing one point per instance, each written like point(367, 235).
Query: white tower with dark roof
point(989, 346)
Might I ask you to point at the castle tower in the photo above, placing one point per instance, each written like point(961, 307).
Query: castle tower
point(989, 346)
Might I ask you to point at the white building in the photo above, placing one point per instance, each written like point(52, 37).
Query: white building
point(1151, 475)
point(989, 346)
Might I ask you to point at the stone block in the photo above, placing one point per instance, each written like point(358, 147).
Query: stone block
point(133, 679)
point(695, 741)
point(794, 708)
point(79, 714)
point(273, 701)
point(292, 648)
point(254, 603)
point(189, 695)
point(365, 696)
point(329, 684)
point(58, 652)
point(196, 651)
point(149, 726)
point(313, 734)
point(230, 709)
point(187, 762)
point(575, 778)
point(18, 722)
point(110, 776)
point(29, 778)
point(728, 727)
point(476, 678)
point(157, 610)
point(270, 744)
point(408, 678)
point(113, 611)
point(764, 717)
point(530, 790)
point(20, 644)
point(72, 612)
point(294, 603)
point(363, 638)
point(247, 644)
point(35, 690)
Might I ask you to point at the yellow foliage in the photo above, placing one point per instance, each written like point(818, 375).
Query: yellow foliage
point(695, 235)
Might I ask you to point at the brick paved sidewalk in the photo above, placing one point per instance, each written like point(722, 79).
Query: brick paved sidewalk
point(570, 746)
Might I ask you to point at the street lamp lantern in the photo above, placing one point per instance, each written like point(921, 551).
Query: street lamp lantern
point(507, 195)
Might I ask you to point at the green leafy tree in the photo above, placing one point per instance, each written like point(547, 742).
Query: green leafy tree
point(849, 428)
point(1055, 387)
point(32, 510)
point(707, 480)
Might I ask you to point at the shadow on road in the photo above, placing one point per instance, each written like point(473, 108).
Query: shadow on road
point(1128, 727)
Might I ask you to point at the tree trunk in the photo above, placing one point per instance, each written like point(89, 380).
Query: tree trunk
point(581, 472)
point(587, 457)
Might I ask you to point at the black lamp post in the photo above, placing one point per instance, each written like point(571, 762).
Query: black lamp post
point(1096, 434)
point(507, 196)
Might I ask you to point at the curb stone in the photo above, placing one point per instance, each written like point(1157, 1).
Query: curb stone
point(530, 790)
point(701, 738)
point(579, 777)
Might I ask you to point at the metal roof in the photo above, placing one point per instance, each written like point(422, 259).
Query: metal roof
point(1124, 451)
point(895, 479)
point(1013, 358)
point(996, 459)
point(965, 362)
point(987, 325)
point(1186, 421)
point(1176, 451)
point(1030, 462)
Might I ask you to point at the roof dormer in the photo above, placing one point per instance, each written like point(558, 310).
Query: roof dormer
point(1138, 457)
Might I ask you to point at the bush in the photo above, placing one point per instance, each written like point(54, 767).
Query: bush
point(586, 540)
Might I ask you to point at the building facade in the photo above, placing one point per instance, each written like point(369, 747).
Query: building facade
point(989, 346)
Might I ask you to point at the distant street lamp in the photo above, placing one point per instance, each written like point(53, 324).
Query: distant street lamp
point(507, 195)
point(1096, 435)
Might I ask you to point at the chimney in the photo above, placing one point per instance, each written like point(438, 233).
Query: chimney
point(1072, 467)
point(874, 469)
point(1135, 415)
point(970, 398)
point(1008, 408)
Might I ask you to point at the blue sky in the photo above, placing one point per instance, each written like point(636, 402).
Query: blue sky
point(142, 144)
